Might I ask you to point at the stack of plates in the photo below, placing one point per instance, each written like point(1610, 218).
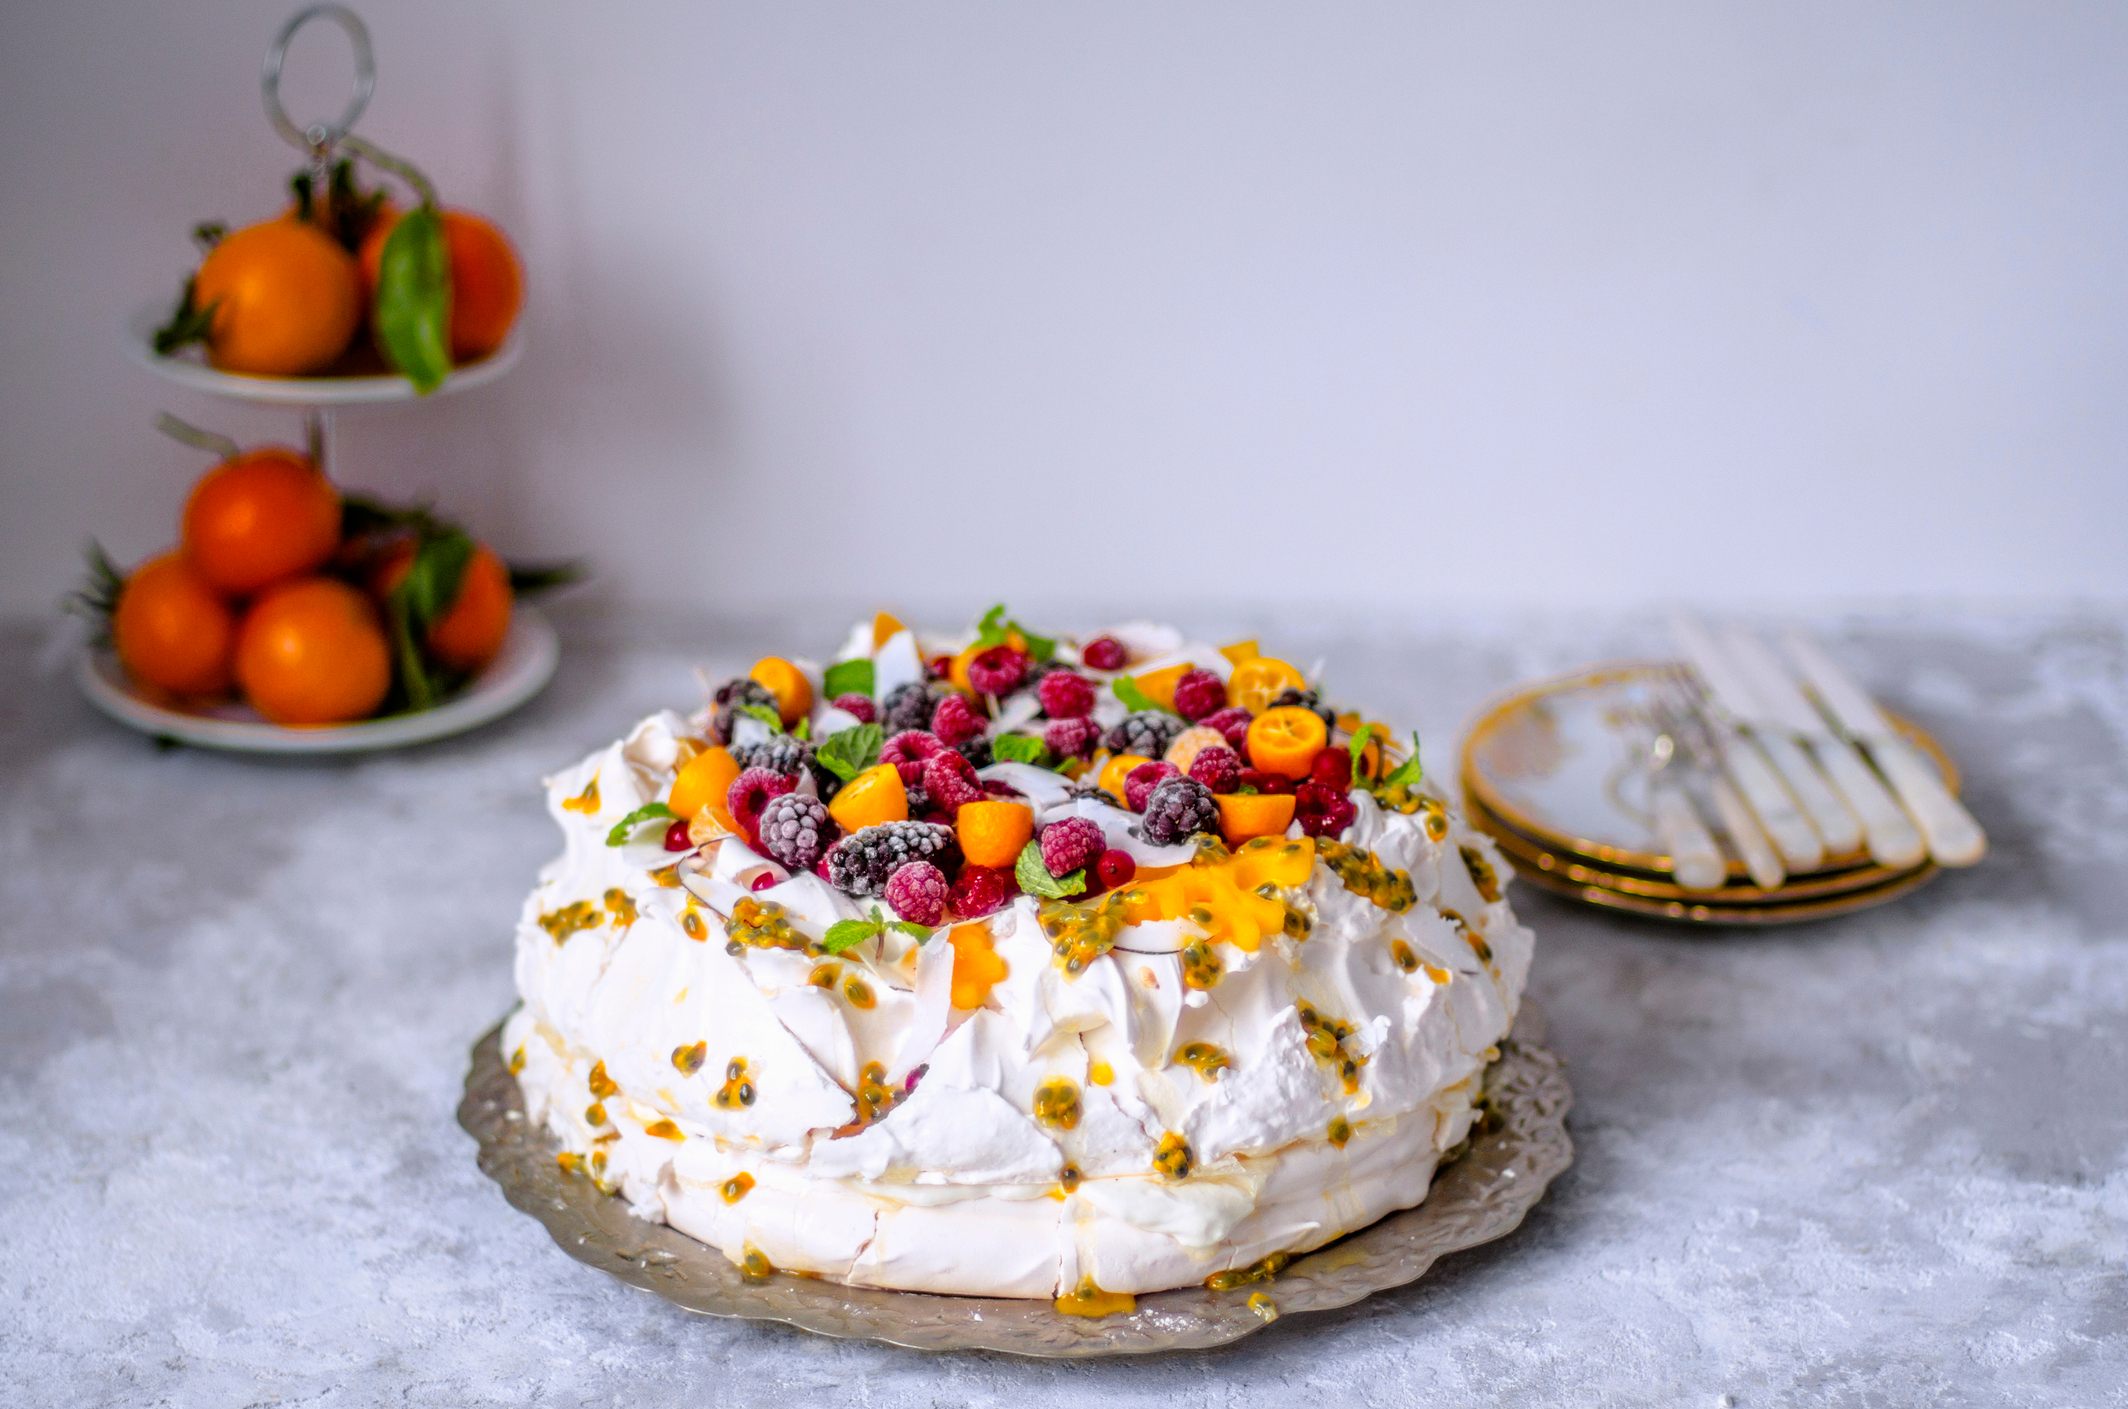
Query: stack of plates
point(1554, 773)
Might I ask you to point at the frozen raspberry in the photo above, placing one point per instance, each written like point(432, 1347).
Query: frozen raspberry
point(1115, 868)
point(1066, 694)
point(907, 752)
point(949, 780)
point(1071, 738)
point(862, 862)
point(918, 892)
point(751, 791)
point(1104, 653)
point(1070, 844)
point(956, 721)
point(908, 707)
point(1139, 783)
point(1177, 810)
point(1146, 733)
point(796, 830)
point(998, 787)
point(978, 752)
point(1233, 721)
point(859, 707)
point(1323, 811)
point(1218, 768)
point(1199, 695)
point(1265, 782)
point(982, 890)
point(724, 705)
point(998, 671)
point(1332, 768)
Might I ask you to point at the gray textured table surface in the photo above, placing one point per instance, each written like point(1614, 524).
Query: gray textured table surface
point(1878, 1161)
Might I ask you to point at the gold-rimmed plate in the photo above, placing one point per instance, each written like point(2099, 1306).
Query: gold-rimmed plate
point(1530, 855)
point(1712, 909)
point(1558, 762)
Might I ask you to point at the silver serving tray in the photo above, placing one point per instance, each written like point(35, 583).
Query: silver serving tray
point(1481, 1196)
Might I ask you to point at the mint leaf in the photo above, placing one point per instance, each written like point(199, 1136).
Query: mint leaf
point(804, 730)
point(848, 677)
point(1359, 748)
point(849, 752)
point(1018, 748)
point(648, 812)
point(995, 628)
point(767, 716)
point(1408, 772)
point(917, 932)
point(1035, 880)
point(848, 934)
point(1127, 691)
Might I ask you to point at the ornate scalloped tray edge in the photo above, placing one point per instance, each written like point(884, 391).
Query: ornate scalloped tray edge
point(1482, 1196)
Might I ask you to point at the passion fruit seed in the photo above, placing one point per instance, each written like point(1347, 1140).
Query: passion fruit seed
point(1173, 1158)
point(620, 906)
point(1204, 1059)
point(689, 1059)
point(1056, 1103)
point(570, 918)
point(737, 1187)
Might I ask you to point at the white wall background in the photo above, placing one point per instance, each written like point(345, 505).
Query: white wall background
point(1555, 304)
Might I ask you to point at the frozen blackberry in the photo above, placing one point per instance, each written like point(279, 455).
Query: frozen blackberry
point(786, 754)
point(862, 862)
point(1177, 810)
point(724, 705)
point(796, 830)
point(908, 706)
point(1146, 733)
point(918, 892)
point(978, 752)
point(920, 805)
point(1308, 700)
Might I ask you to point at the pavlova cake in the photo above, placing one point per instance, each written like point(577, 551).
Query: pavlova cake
point(1013, 966)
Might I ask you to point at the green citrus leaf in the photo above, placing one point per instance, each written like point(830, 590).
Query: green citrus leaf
point(413, 309)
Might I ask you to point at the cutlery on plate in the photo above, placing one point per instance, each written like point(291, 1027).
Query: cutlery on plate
point(1791, 832)
point(1695, 860)
point(1677, 705)
point(1952, 835)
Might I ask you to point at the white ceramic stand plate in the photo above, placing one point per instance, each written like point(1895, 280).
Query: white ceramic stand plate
point(188, 369)
point(519, 672)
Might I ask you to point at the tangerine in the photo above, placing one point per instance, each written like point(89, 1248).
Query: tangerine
point(172, 631)
point(259, 518)
point(281, 299)
point(313, 651)
point(471, 630)
point(487, 282)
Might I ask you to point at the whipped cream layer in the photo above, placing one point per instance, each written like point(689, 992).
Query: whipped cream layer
point(717, 1085)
